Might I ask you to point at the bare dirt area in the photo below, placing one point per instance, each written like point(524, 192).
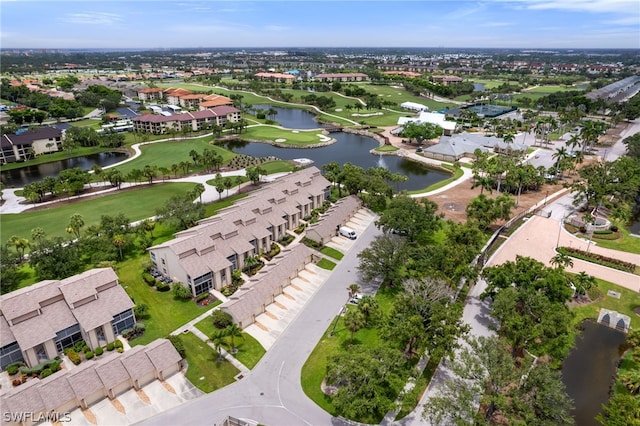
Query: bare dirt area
point(453, 202)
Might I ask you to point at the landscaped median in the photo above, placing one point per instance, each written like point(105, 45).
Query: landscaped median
point(249, 350)
point(600, 259)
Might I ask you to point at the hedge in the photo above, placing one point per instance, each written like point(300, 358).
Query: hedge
point(73, 356)
point(14, 368)
point(597, 258)
point(177, 343)
point(160, 286)
point(99, 351)
point(149, 279)
point(52, 365)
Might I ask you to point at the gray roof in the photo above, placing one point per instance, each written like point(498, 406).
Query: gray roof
point(335, 216)
point(162, 354)
point(24, 399)
point(35, 314)
point(28, 137)
point(111, 371)
point(137, 362)
point(84, 379)
point(55, 391)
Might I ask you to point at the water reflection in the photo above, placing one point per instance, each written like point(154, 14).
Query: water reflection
point(348, 148)
point(20, 177)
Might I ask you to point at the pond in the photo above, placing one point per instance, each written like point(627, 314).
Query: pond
point(291, 118)
point(348, 148)
point(590, 368)
point(479, 87)
point(18, 178)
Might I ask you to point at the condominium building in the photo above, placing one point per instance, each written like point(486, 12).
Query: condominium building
point(194, 121)
point(203, 257)
point(38, 322)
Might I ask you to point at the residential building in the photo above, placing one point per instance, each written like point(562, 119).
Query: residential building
point(275, 77)
point(151, 94)
point(453, 148)
point(107, 376)
point(28, 144)
point(446, 79)
point(38, 322)
point(261, 290)
point(342, 77)
point(336, 216)
point(204, 256)
point(194, 121)
point(448, 127)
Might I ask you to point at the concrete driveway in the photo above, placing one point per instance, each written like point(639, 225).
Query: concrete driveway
point(133, 406)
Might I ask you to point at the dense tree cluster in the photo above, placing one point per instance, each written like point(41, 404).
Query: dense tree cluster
point(68, 182)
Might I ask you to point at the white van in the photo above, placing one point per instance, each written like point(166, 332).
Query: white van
point(348, 232)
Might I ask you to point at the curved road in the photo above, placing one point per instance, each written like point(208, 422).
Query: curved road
point(271, 393)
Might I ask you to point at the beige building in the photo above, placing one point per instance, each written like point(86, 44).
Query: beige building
point(203, 257)
point(194, 121)
point(30, 144)
point(38, 322)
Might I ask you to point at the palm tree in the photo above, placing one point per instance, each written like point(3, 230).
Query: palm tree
point(561, 261)
point(217, 338)
point(232, 332)
point(353, 290)
point(198, 190)
point(119, 241)
point(583, 282)
point(20, 244)
point(76, 222)
point(353, 320)
point(484, 182)
point(560, 156)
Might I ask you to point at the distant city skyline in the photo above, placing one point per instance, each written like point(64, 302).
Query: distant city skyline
point(542, 24)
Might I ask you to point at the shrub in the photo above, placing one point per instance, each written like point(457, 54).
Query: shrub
point(80, 346)
point(286, 239)
point(181, 291)
point(141, 310)
point(14, 368)
point(120, 350)
point(236, 277)
point(310, 243)
point(131, 333)
point(45, 373)
point(613, 228)
point(118, 343)
point(583, 229)
point(177, 343)
point(51, 364)
point(89, 354)
point(99, 351)
point(149, 279)
point(202, 297)
point(597, 258)
point(221, 319)
point(110, 346)
point(163, 286)
point(74, 357)
point(16, 382)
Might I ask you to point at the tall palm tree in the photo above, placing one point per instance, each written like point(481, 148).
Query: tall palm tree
point(217, 338)
point(561, 155)
point(353, 289)
point(232, 332)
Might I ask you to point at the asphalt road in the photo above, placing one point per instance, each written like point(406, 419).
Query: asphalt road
point(271, 393)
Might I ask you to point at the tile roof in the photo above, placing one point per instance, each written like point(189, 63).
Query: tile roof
point(55, 391)
point(111, 371)
point(30, 136)
point(162, 354)
point(84, 380)
point(136, 362)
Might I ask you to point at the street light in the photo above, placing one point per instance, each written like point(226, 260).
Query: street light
point(560, 228)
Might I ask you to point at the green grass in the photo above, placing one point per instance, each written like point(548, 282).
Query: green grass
point(625, 305)
point(250, 351)
point(294, 138)
point(206, 371)
point(387, 148)
point(314, 369)
point(326, 264)
point(94, 123)
point(278, 166)
point(164, 154)
point(137, 203)
point(626, 242)
point(547, 89)
point(627, 364)
point(331, 252)
point(211, 209)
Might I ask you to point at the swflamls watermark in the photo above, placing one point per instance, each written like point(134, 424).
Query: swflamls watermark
point(30, 417)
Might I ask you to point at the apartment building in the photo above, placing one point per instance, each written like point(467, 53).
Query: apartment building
point(194, 121)
point(38, 322)
point(203, 257)
point(28, 144)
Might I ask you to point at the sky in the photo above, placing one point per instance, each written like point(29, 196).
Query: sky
point(548, 24)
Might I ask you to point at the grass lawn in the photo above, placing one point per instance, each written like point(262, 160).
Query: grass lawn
point(326, 264)
point(88, 122)
point(387, 148)
point(331, 252)
point(206, 371)
point(625, 243)
point(291, 137)
point(315, 368)
point(278, 166)
point(625, 305)
point(250, 351)
point(547, 89)
point(211, 209)
point(164, 154)
point(137, 203)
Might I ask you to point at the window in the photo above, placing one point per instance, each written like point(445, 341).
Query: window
point(122, 321)
point(234, 261)
point(9, 354)
point(68, 337)
point(203, 283)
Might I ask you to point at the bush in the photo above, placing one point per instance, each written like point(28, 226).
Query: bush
point(16, 382)
point(51, 365)
point(80, 346)
point(120, 350)
point(14, 368)
point(310, 243)
point(597, 258)
point(177, 343)
point(110, 346)
point(163, 286)
point(88, 355)
point(131, 333)
point(181, 291)
point(141, 310)
point(149, 279)
point(221, 319)
point(45, 373)
point(202, 296)
point(583, 229)
point(286, 239)
point(118, 343)
point(99, 351)
point(74, 357)
point(613, 228)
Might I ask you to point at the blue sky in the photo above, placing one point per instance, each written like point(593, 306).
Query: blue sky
point(346, 23)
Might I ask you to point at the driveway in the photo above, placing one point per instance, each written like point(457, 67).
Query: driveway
point(271, 393)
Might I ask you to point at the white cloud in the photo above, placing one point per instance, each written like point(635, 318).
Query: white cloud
point(496, 24)
point(276, 28)
point(621, 6)
point(93, 18)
